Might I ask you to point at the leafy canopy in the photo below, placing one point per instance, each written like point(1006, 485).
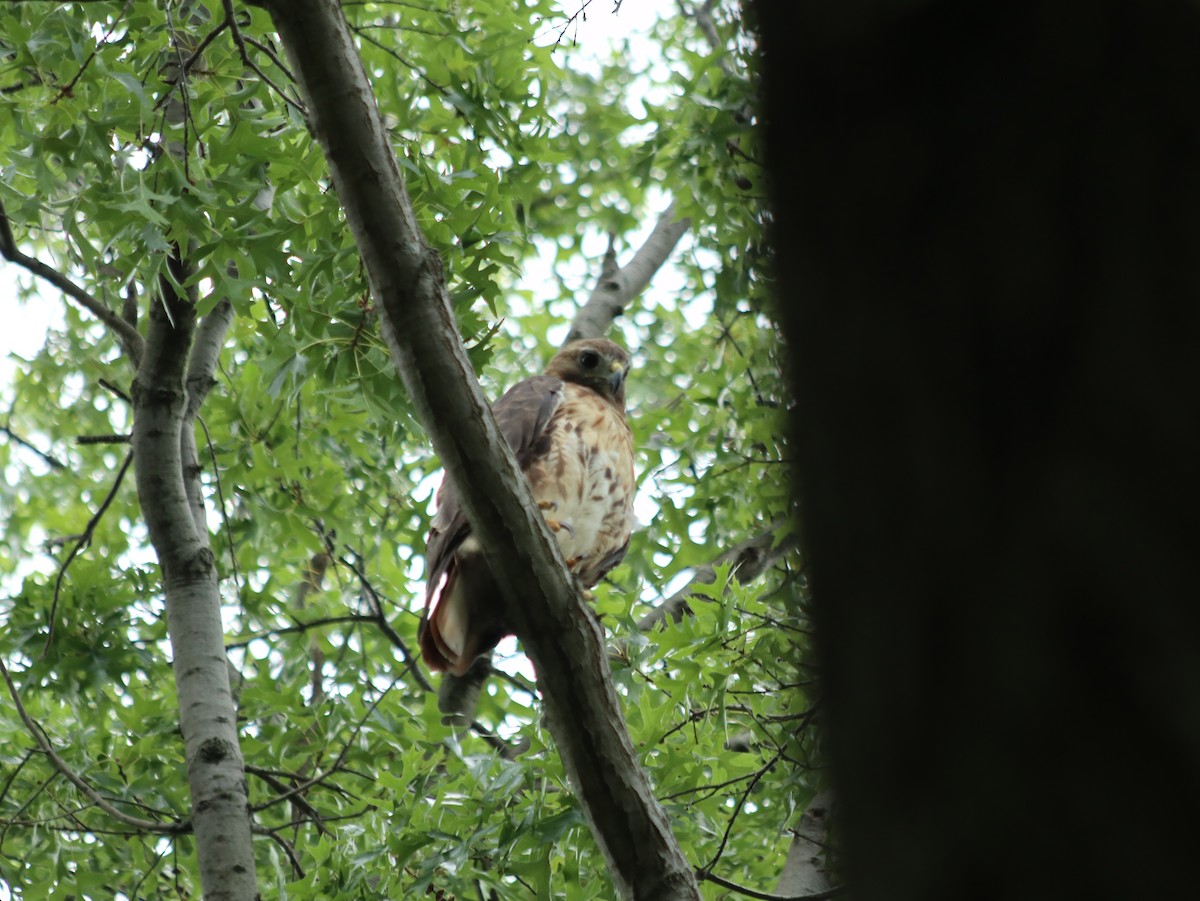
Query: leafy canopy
point(319, 482)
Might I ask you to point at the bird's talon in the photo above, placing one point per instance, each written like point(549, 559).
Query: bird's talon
point(556, 526)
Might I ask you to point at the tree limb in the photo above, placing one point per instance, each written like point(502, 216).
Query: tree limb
point(767, 896)
point(82, 542)
point(52, 461)
point(8, 247)
point(618, 286)
point(202, 363)
point(208, 716)
point(560, 634)
point(74, 778)
point(806, 869)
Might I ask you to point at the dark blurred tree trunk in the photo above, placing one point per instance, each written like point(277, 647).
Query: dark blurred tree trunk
point(989, 264)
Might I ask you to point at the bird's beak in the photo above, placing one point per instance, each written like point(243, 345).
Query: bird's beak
point(617, 378)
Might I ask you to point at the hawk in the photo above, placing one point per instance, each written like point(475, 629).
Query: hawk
point(569, 433)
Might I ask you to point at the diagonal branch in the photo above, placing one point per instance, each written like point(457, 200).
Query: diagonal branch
point(559, 632)
point(52, 461)
point(618, 286)
point(767, 896)
point(8, 247)
point(80, 544)
point(74, 778)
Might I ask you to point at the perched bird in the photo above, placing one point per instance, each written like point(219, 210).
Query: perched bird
point(569, 433)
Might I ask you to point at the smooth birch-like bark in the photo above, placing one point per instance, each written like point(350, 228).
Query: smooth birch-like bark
point(806, 870)
point(216, 779)
point(558, 631)
point(616, 289)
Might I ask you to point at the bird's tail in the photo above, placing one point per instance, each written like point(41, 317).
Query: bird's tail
point(445, 635)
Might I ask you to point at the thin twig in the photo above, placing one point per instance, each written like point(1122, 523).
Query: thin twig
point(283, 843)
point(70, 85)
point(748, 559)
point(52, 461)
point(300, 803)
point(212, 455)
point(109, 386)
point(39, 736)
point(300, 627)
point(738, 809)
point(410, 662)
point(706, 876)
point(188, 63)
point(8, 247)
point(337, 763)
point(240, 42)
point(370, 39)
point(83, 541)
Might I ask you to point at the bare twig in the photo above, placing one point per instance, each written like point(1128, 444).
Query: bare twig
point(754, 780)
point(300, 627)
point(52, 461)
point(66, 89)
point(300, 803)
point(83, 541)
point(766, 896)
point(391, 51)
point(278, 839)
point(238, 40)
point(336, 766)
point(212, 456)
point(373, 599)
point(8, 247)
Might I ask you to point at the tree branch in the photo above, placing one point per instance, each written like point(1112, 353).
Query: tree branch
point(202, 363)
point(806, 869)
point(618, 286)
point(559, 632)
point(52, 461)
point(208, 716)
point(123, 330)
point(82, 542)
point(766, 896)
point(75, 779)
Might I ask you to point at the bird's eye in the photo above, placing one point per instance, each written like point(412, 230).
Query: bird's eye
point(589, 359)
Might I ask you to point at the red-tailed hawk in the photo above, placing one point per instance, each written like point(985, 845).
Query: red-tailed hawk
point(568, 431)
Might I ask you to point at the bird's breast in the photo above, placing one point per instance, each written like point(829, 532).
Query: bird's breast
point(585, 481)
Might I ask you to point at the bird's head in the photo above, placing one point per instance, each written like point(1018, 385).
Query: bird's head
point(596, 363)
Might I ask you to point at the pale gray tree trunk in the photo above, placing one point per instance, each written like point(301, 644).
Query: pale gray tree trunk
point(166, 394)
point(174, 376)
